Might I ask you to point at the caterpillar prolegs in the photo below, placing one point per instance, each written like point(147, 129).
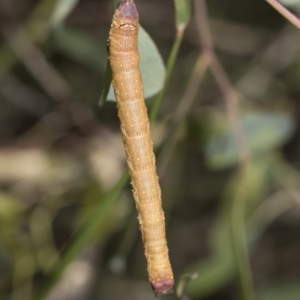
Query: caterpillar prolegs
point(132, 111)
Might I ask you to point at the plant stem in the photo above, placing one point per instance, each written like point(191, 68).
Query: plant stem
point(84, 236)
point(285, 12)
point(170, 65)
point(233, 112)
point(239, 239)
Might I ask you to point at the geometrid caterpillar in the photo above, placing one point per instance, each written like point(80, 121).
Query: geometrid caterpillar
point(132, 111)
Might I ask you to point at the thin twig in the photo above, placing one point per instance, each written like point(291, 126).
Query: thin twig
point(268, 62)
point(182, 110)
point(170, 65)
point(192, 88)
point(47, 76)
point(230, 95)
point(36, 64)
point(285, 12)
point(232, 107)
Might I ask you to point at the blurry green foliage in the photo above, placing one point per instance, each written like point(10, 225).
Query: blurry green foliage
point(279, 291)
point(27, 242)
point(220, 266)
point(10, 210)
point(264, 131)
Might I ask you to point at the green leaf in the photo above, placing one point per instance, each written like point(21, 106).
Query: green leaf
point(106, 85)
point(279, 291)
point(215, 272)
point(151, 66)
point(62, 9)
point(38, 25)
point(94, 223)
point(183, 13)
point(220, 267)
point(10, 208)
point(107, 75)
point(264, 132)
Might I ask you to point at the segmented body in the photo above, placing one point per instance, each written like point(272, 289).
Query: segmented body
point(132, 111)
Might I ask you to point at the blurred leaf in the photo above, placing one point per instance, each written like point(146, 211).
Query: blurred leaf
point(62, 9)
point(93, 224)
point(183, 13)
point(42, 239)
point(10, 208)
point(81, 47)
point(280, 291)
point(106, 85)
point(89, 201)
point(38, 25)
point(151, 66)
point(264, 132)
point(215, 272)
point(220, 267)
point(115, 4)
point(257, 182)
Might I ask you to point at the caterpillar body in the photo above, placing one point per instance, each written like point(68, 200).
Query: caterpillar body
point(132, 111)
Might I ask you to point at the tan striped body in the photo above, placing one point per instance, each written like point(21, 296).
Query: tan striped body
point(127, 83)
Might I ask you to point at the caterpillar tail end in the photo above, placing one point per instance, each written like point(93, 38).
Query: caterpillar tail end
point(163, 287)
point(127, 9)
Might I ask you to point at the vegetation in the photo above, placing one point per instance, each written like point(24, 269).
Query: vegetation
point(224, 117)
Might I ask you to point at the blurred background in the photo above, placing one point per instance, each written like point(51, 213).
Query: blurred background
point(68, 227)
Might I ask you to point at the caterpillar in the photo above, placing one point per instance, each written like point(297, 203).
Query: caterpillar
point(128, 88)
